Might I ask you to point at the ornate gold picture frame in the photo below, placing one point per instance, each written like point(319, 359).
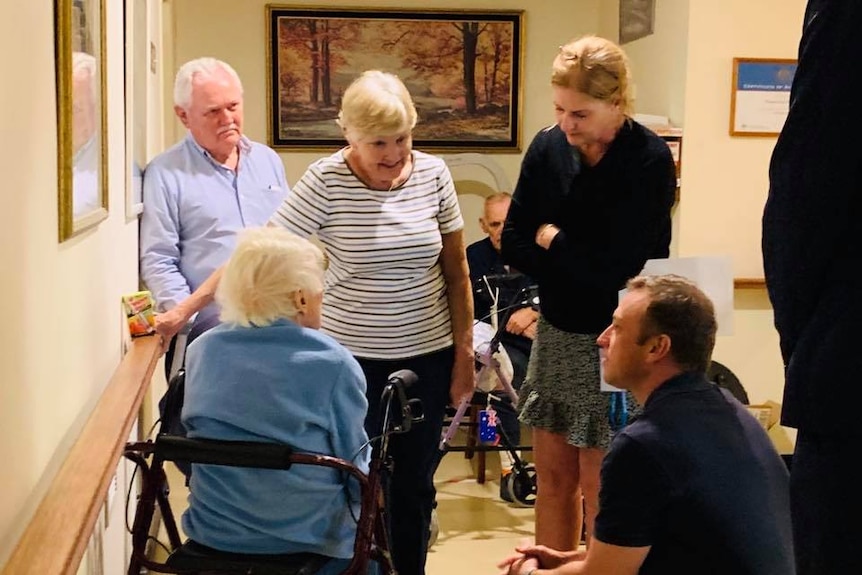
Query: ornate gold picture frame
point(81, 114)
point(462, 67)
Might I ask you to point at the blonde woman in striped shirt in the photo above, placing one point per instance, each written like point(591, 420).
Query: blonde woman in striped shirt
point(397, 289)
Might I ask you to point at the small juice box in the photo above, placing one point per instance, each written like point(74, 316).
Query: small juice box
point(139, 310)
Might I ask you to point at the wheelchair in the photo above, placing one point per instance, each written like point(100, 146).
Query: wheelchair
point(371, 543)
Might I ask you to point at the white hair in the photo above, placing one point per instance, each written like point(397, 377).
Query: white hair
point(267, 268)
point(200, 67)
point(84, 65)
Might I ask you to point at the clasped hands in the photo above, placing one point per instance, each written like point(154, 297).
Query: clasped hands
point(523, 322)
point(529, 557)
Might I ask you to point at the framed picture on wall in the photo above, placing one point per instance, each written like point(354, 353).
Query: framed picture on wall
point(637, 19)
point(760, 95)
point(462, 68)
point(79, 32)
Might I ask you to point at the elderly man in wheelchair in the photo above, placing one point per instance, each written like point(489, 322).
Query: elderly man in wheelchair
point(260, 386)
point(501, 295)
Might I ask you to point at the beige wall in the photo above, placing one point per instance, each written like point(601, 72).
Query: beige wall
point(60, 303)
point(725, 178)
point(659, 62)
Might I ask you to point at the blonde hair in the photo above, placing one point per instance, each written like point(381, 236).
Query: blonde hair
point(268, 266)
point(376, 104)
point(596, 67)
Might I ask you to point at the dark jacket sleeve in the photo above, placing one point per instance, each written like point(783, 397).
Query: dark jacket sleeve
point(637, 229)
point(524, 217)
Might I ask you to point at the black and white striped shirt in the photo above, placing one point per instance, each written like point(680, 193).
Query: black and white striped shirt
point(385, 295)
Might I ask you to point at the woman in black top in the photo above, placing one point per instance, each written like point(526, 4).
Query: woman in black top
point(592, 205)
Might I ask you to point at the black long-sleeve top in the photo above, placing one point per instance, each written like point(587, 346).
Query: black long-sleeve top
point(612, 217)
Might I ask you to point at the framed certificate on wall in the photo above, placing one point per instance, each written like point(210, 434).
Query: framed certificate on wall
point(760, 95)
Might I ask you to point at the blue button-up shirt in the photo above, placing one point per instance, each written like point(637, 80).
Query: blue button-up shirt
point(193, 208)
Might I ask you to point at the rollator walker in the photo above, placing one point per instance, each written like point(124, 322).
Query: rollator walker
point(371, 543)
point(521, 483)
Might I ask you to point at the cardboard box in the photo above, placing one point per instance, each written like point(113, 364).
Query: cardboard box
point(769, 415)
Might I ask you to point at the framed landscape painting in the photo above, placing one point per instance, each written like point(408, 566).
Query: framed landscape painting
point(462, 68)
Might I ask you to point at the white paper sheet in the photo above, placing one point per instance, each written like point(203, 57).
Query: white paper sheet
point(712, 274)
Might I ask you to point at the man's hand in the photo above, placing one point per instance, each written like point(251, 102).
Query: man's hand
point(518, 564)
point(550, 558)
point(169, 323)
point(463, 382)
point(531, 330)
point(521, 320)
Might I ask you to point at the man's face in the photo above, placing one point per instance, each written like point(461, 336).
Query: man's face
point(83, 109)
point(625, 360)
point(493, 219)
point(214, 116)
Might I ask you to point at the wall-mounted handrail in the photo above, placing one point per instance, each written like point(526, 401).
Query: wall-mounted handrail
point(56, 538)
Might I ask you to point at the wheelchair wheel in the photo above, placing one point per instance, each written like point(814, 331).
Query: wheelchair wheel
point(434, 529)
point(521, 485)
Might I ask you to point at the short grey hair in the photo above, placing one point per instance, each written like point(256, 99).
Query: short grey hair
point(199, 67)
point(268, 266)
point(498, 197)
point(84, 65)
point(376, 104)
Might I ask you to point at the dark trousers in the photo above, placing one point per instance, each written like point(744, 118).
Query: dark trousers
point(825, 504)
point(415, 455)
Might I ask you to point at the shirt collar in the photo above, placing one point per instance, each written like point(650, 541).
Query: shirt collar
point(244, 146)
point(684, 382)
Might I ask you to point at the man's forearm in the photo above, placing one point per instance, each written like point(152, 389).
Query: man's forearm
point(168, 324)
point(203, 296)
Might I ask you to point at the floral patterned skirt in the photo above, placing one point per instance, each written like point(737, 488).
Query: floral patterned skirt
point(561, 391)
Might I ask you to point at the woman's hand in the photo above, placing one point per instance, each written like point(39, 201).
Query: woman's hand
point(463, 382)
point(546, 234)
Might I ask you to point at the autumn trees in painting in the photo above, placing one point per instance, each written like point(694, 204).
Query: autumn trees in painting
point(462, 70)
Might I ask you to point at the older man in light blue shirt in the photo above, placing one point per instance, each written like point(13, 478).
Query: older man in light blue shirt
point(203, 190)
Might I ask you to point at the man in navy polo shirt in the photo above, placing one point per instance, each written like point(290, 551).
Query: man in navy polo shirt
point(694, 484)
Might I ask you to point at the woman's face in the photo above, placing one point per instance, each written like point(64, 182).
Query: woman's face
point(584, 120)
point(381, 161)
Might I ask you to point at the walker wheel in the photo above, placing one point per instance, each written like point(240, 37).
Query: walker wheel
point(521, 485)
